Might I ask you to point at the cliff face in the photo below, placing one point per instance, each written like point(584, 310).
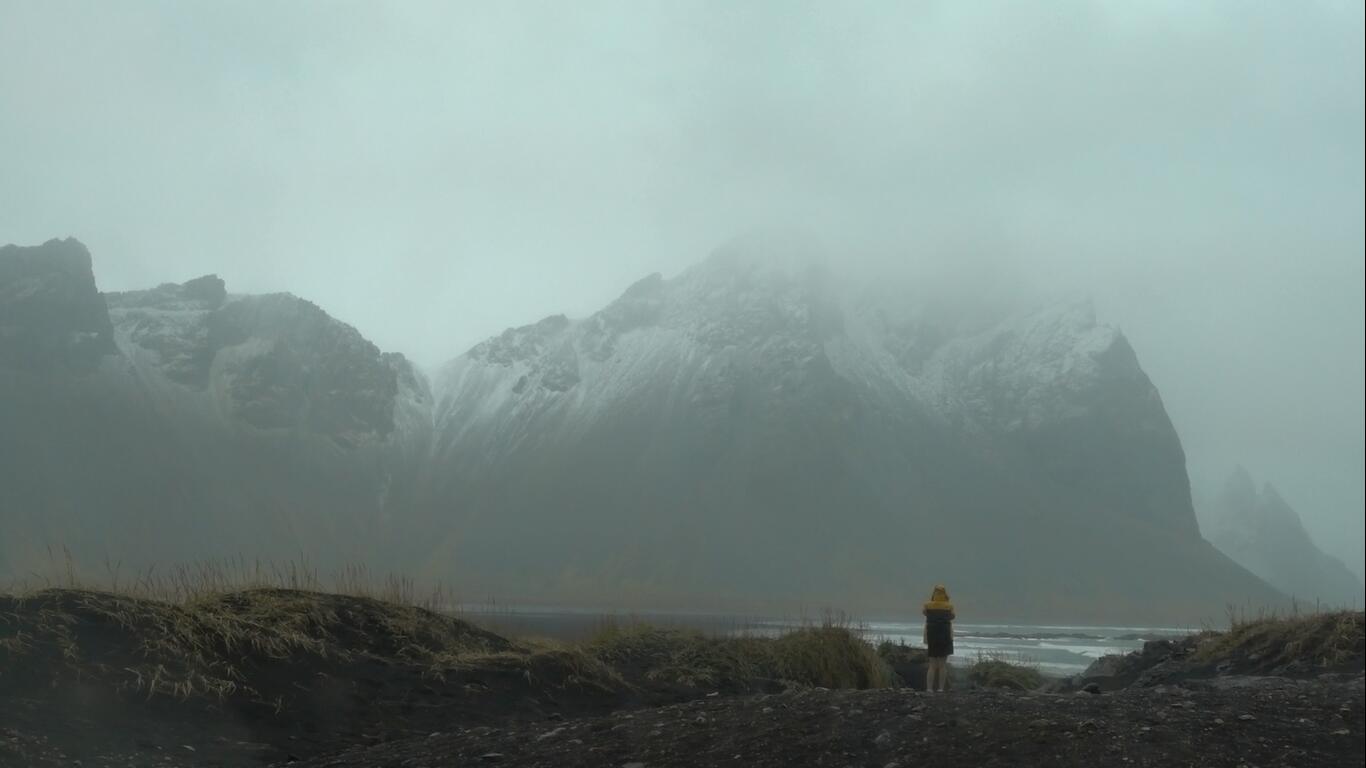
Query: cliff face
point(1264, 534)
point(752, 434)
point(51, 314)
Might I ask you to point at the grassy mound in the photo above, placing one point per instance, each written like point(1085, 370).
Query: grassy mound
point(281, 672)
point(216, 646)
point(242, 660)
point(826, 656)
point(831, 657)
point(1303, 645)
point(1321, 640)
point(999, 672)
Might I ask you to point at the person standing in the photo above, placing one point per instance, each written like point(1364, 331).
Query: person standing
point(938, 637)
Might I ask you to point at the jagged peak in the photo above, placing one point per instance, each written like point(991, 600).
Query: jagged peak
point(1273, 499)
point(51, 312)
point(1239, 495)
point(1240, 477)
point(1052, 333)
point(1241, 498)
point(204, 293)
point(66, 254)
point(649, 285)
point(210, 288)
point(520, 343)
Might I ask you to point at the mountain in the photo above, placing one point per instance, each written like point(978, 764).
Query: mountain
point(755, 434)
point(753, 430)
point(1264, 534)
point(182, 422)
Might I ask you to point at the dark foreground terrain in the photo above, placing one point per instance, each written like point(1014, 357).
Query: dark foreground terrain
point(276, 677)
point(1238, 721)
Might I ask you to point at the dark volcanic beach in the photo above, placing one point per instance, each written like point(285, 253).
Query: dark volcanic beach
point(1239, 722)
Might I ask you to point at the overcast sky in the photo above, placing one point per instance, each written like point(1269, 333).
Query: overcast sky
point(433, 173)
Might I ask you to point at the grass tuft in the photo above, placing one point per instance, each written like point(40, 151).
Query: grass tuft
point(827, 655)
point(1004, 671)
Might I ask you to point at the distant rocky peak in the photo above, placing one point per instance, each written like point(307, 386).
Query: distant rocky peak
point(1273, 498)
point(522, 343)
point(1241, 505)
point(67, 256)
point(1237, 498)
point(51, 314)
point(172, 322)
point(1240, 481)
point(209, 289)
point(1275, 506)
point(650, 286)
point(1261, 531)
point(201, 294)
point(1054, 344)
point(276, 361)
point(641, 305)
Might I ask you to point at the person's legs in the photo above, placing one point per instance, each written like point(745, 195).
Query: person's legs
point(933, 675)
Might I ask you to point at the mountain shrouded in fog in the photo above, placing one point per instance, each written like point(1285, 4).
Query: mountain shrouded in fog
point(754, 432)
point(1262, 532)
point(183, 422)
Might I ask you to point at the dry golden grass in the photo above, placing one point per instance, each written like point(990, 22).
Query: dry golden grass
point(197, 624)
point(198, 647)
point(828, 655)
point(995, 670)
point(190, 582)
point(194, 621)
point(1320, 639)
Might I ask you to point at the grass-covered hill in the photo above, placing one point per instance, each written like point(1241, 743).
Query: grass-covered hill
point(271, 673)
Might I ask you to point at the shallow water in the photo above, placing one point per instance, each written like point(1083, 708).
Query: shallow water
point(1054, 649)
point(1058, 650)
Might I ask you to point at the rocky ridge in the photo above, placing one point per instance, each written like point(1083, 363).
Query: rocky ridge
point(1264, 534)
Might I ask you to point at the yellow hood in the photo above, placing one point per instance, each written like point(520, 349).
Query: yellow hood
point(939, 600)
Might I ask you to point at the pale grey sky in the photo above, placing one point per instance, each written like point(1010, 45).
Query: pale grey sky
point(435, 172)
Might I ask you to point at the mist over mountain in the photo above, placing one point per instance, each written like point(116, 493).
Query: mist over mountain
point(182, 422)
point(755, 433)
point(1263, 533)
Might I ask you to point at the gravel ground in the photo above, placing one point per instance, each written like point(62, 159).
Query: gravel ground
point(1229, 722)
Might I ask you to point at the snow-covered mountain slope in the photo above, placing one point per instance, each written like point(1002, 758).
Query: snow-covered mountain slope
point(1260, 531)
point(273, 362)
point(754, 427)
